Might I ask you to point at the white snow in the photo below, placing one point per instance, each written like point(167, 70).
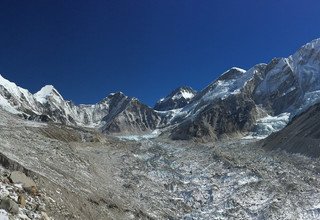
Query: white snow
point(183, 94)
point(3, 215)
point(5, 105)
point(10, 86)
point(153, 134)
point(239, 69)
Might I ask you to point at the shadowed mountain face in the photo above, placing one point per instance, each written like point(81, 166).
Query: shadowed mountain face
point(258, 101)
point(301, 135)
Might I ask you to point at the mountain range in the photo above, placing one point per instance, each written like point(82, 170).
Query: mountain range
point(239, 103)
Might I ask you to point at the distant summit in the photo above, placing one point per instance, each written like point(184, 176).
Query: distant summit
point(178, 98)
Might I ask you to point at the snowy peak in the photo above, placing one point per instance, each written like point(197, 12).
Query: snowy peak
point(183, 92)
point(178, 98)
point(113, 97)
point(47, 91)
point(232, 73)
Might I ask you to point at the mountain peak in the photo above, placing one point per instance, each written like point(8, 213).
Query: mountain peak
point(178, 98)
point(232, 73)
point(45, 92)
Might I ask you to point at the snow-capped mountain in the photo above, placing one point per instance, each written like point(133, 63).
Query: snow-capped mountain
point(115, 113)
point(257, 101)
point(178, 98)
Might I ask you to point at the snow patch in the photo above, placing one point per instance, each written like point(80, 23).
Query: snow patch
point(3, 215)
point(183, 94)
point(151, 135)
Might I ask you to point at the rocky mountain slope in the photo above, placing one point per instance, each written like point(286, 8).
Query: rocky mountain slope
point(258, 101)
point(301, 135)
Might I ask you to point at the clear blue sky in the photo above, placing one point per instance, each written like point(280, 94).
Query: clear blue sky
point(145, 48)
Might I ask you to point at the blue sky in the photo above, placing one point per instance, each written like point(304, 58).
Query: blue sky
point(145, 48)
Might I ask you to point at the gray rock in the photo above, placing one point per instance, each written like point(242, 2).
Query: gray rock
point(9, 205)
point(19, 177)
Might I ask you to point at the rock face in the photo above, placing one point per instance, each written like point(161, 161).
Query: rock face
point(301, 135)
point(131, 117)
point(178, 98)
point(224, 117)
point(9, 205)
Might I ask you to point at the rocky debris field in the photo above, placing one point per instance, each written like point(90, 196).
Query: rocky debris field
point(20, 197)
point(154, 178)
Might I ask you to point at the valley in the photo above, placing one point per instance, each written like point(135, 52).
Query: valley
point(160, 179)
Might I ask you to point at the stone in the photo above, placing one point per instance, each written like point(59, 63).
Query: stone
point(4, 193)
point(22, 200)
point(44, 216)
point(19, 177)
point(31, 190)
point(9, 205)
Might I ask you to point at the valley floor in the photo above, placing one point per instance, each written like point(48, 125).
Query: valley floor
point(161, 179)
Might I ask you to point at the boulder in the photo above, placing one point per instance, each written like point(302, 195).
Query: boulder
point(19, 177)
point(22, 200)
point(9, 205)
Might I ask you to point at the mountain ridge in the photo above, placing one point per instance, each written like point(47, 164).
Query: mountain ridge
point(239, 102)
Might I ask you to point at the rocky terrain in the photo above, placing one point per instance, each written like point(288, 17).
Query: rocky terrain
point(20, 198)
point(156, 178)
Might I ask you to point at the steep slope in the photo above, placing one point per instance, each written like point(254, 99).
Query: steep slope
point(224, 107)
point(178, 98)
point(301, 135)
